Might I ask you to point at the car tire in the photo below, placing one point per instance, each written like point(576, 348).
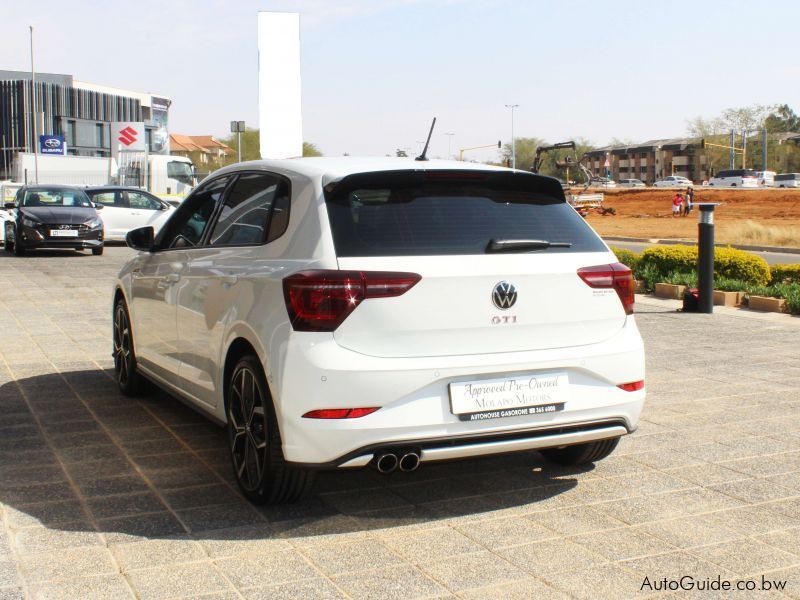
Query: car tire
point(733, 185)
point(97, 251)
point(581, 454)
point(19, 249)
point(129, 381)
point(254, 440)
point(8, 245)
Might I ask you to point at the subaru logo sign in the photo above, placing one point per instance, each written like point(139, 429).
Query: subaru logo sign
point(504, 295)
point(52, 144)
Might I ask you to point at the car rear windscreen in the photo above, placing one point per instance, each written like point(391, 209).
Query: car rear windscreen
point(421, 213)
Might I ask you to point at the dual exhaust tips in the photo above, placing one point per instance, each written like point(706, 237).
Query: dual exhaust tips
point(390, 461)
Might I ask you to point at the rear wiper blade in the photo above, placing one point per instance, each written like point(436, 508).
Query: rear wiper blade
point(523, 245)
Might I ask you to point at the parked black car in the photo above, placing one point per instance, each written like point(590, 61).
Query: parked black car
point(53, 216)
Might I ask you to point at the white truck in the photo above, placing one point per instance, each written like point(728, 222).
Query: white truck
point(164, 175)
point(161, 174)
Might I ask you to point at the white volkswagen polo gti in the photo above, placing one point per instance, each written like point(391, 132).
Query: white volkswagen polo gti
point(338, 313)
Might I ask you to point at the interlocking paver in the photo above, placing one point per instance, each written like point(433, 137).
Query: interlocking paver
point(93, 484)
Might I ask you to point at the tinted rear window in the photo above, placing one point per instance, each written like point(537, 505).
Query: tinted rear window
point(410, 213)
point(787, 177)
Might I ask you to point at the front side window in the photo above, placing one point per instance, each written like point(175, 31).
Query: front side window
point(140, 201)
point(181, 171)
point(245, 217)
point(186, 227)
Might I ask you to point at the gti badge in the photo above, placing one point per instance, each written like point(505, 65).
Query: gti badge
point(504, 295)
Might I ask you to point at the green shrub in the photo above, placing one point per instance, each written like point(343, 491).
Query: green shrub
point(729, 285)
point(629, 258)
point(675, 278)
point(785, 273)
point(729, 263)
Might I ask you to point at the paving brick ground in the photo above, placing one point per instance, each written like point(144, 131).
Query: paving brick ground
point(105, 497)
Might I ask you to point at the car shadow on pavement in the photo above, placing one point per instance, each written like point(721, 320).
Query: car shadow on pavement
point(75, 455)
point(46, 253)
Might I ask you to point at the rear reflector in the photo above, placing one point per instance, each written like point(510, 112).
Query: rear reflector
point(616, 276)
point(322, 300)
point(633, 386)
point(340, 413)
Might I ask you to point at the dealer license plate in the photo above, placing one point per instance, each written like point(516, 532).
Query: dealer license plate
point(532, 394)
point(63, 233)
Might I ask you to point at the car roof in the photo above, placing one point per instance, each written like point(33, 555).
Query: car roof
point(114, 188)
point(55, 186)
point(328, 169)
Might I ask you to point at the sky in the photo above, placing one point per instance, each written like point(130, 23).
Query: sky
point(374, 72)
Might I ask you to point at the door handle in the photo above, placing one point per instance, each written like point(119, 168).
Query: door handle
point(229, 279)
point(172, 278)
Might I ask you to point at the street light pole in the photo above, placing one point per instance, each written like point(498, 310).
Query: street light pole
point(449, 144)
point(513, 140)
point(35, 115)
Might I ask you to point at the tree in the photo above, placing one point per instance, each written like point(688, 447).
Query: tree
point(310, 149)
point(782, 120)
point(525, 150)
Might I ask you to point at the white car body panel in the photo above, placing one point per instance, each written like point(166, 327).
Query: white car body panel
point(189, 305)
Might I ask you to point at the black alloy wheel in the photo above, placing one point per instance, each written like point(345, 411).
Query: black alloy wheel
point(254, 439)
point(19, 249)
point(129, 381)
point(247, 429)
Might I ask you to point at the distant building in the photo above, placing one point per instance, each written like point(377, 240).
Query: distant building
point(202, 149)
point(650, 160)
point(77, 110)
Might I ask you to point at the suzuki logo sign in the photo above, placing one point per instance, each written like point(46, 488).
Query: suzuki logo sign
point(128, 136)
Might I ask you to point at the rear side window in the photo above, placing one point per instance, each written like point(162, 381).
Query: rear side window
point(255, 201)
point(417, 213)
point(787, 177)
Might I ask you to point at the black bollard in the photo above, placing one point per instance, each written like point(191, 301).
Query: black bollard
point(705, 257)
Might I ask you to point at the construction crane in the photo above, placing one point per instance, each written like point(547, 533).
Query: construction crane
point(567, 163)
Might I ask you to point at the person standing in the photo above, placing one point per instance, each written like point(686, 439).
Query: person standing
point(689, 201)
point(677, 203)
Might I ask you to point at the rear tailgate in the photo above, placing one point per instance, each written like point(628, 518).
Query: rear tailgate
point(469, 300)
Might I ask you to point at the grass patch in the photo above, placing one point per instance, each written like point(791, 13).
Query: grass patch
point(755, 234)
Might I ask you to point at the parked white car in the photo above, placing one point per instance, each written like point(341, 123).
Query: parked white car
point(787, 180)
point(343, 312)
point(603, 182)
point(735, 178)
point(631, 183)
point(126, 208)
point(673, 181)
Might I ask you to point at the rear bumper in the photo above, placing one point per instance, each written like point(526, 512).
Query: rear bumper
point(415, 404)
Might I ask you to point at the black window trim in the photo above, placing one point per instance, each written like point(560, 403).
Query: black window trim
point(204, 241)
point(206, 183)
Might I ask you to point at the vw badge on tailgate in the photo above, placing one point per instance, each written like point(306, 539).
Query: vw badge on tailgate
point(504, 295)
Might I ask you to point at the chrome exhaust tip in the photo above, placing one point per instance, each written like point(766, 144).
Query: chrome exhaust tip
point(386, 463)
point(409, 462)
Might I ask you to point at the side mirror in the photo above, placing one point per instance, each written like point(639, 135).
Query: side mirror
point(164, 206)
point(141, 239)
point(98, 206)
point(10, 205)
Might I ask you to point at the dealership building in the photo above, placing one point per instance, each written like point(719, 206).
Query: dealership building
point(78, 111)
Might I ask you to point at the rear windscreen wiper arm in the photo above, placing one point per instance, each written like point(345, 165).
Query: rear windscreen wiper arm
point(522, 245)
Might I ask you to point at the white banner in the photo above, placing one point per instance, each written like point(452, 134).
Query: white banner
point(279, 109)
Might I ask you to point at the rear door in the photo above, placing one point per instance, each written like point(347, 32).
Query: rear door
point(114, 213)
point(471, 299)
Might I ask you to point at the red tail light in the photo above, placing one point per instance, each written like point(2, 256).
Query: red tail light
point(616, 276)
point(322, 300)
point(340, 413)
point(633, 386)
